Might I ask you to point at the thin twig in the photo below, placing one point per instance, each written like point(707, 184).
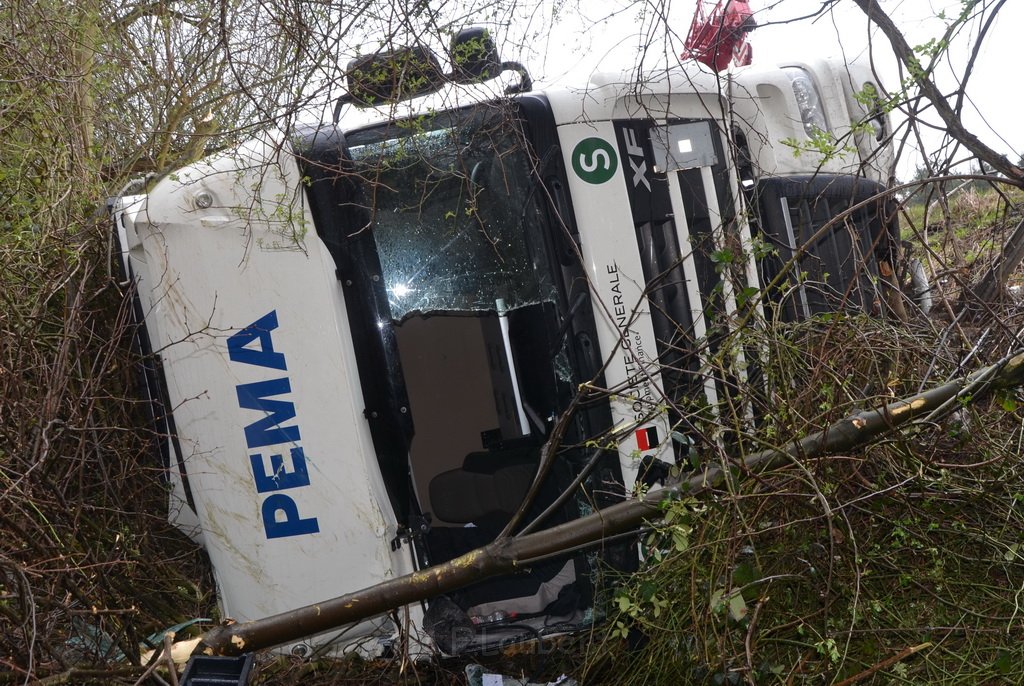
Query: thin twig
point(884, 664)
point(172, 669)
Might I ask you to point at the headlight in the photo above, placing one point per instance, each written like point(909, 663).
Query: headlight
point(807, 100)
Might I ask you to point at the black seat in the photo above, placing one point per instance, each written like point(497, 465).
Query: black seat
point(489, 487)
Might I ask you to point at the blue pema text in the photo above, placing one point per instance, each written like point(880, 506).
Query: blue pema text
point(253, 345)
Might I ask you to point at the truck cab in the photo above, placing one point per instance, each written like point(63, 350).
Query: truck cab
point(361, 337)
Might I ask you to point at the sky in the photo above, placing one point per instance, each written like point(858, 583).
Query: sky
point(609, 35)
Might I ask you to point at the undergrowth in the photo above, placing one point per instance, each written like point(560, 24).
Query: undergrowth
point(901, 563)
point(88, 565)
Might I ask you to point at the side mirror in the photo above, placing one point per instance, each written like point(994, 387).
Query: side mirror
point(393, 76)
point(474, 56)
point(408, 72)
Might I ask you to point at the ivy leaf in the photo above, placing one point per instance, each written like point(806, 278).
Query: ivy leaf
point(737, 607)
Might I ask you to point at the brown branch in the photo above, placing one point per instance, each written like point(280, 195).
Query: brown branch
point(884, 664)
point(990, 287)
point(75, 675)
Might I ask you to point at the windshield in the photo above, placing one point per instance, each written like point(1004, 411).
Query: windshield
point(454, 220)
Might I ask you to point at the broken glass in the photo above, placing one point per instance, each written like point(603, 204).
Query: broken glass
point(453, 214)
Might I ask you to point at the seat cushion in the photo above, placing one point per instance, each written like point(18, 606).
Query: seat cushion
point(464, 497)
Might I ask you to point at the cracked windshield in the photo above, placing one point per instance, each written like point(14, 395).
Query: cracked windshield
point(456, 223)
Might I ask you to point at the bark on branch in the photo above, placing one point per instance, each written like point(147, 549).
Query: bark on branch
point(509, 554)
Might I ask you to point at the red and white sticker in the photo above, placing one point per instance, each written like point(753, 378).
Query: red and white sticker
point(647, 438)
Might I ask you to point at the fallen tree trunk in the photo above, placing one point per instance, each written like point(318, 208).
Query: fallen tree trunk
point(505, 555)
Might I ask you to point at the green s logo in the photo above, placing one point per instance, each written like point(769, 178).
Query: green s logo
point(594, 160)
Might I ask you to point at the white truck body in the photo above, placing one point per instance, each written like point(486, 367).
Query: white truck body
point(295, 392)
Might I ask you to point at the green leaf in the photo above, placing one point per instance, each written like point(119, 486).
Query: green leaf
point(647, 590)
point(723, 256)
point(745, 295)
point(716, 600)
point(1004, 663)
point(744, 574)
point(680, 539)
point(737, 606)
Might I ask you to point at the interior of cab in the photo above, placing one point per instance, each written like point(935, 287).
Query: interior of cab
point(478, 439)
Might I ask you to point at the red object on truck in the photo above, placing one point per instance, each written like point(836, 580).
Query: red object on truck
point(721, 38)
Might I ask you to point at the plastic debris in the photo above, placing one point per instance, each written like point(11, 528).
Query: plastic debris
point(476, 675)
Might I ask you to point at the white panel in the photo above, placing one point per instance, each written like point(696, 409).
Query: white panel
point(693, 294)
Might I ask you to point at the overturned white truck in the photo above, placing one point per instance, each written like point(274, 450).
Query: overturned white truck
point(358, 337)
